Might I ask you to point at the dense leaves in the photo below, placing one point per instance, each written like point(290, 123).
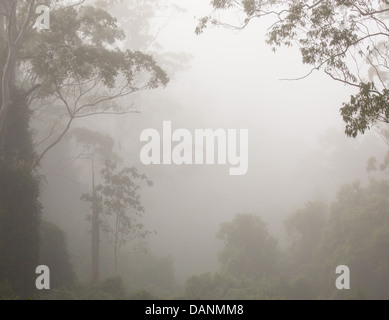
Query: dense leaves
point(77, 69)
point(355, 233)
point(83, 46)
point(54, 253)
point(249, 248)
point(19, 207)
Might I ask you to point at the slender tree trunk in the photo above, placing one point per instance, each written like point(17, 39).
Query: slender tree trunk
point(116, 244)
point(115, 253)
point(2, 40)
point(95, 233)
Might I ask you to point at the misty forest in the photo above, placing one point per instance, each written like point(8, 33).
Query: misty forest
point(82, 79)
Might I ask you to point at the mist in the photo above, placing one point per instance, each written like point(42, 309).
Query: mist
point(221, 79)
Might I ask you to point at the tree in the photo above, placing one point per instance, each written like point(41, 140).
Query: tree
point(84, 76)
point(54, 254)
point(72, 71)
point(346, 39)
point(356, 234)
point(96, 148)
point(20, 208)
point(119, 203)
point(249, 250)
point(304, 226)
point(13, 35)
point(146, 19)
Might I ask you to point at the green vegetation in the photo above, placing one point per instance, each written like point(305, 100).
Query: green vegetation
point(352, 48)
point(355, 232)
point(19, 215)
point(91, 64)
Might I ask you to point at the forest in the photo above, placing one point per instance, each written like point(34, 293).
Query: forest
point(194, 150)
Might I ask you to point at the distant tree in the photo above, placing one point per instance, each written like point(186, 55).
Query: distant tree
point(96, 148)
point(74, 70)
point(249, 249)
point(120, 206)
point(346, 39)
point(304, 227)
point(147, 19)
point(357, 235)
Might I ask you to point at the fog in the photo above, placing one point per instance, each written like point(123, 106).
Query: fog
point(234, 80)
point(229, 79)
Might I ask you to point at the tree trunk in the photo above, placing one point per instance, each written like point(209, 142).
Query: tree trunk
point(7, 82)
point(13, 38)
point(95, 233)
point(2, 28)
point(116, 245)
point(115, 253)
point(9, 66)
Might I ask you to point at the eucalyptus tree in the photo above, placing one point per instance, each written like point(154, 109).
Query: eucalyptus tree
point(74, 70)
point(346, 39)
point(119, 203)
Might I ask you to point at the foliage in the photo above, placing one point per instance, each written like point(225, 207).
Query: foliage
point(18, 144)
point(119, 202)
point(147, 272)
point(75, 70)
point(146, 20)
point(95, 144)
point(249, 249)
point(357, 235)
point(304, 227)
point(346, 39)
point(6, 292)
point(19, 206)
point(142, 295)
point(109, 289)
point(224, 286)
point(54, 254)
point(77, 50)
point(208, 286)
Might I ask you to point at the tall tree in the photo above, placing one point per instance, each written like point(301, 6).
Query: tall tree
point(14, 34)
point(74, 70)
point(120, 206)
point(346, 39)
point(96, 148)
point(20, 208)
point(357, 235)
